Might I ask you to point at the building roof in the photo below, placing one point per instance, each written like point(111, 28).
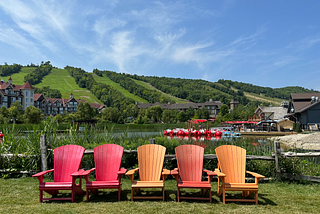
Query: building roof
point(181, 105)
point(296, 96)
point(278, 112)
point(309, 105)
point(36, 96)
point(27, 85)
point(97, 106)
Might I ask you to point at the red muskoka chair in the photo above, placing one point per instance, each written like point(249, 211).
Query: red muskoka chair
point(67, 160)
point(190, 168)
point(107, 160)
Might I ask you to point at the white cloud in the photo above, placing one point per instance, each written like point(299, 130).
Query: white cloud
point(102, 26)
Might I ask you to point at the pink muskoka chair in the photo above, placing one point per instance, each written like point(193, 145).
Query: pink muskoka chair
point(67, 160)
point(107, 160)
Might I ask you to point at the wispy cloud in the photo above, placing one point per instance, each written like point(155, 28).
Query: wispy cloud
point(11, 37)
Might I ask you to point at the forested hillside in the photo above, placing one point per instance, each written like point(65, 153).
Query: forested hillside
point(282, 93)
point(121, 90)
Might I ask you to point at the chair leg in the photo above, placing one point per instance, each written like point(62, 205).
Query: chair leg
point(87, 193)
point(119, 193)
point(210, 196)
point(131, 194)
point(72, 196)
point(256, 197)
point(40, 196)
point(163, 193)
point(178, 194)
point(223, 196)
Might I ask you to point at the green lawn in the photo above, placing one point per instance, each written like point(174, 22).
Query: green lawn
point(21, 196)
point(106, 80)
point(60, 79)
point(148, 86)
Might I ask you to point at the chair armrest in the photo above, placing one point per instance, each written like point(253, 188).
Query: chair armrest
point(219, 174)
point(131, 172)
point(78, 173)
point(210, 173)
point(122, 171)
point(87, 172)
point(165, 173)
point(256, 175)
point(174, 172)
point(42, 173)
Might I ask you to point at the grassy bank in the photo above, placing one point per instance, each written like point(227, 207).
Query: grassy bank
point(22, 195)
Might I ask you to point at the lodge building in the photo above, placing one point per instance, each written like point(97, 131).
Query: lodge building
point(212, 106)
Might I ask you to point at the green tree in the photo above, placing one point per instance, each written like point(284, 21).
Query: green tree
point(111, 114)
point(4, 111)
point(57, 118)
point(181, 116)
point(190, 113)
point(85, 111)
point(224, 109)
point(32, 115)
point(154, 112)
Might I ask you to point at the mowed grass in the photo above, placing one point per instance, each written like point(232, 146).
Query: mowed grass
point(18, 78)
point(60, 79)
point(22, 196)
point(106, 80)
point(252, 96)
point(148, 86)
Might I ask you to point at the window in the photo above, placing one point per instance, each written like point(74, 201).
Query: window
point(27, 93)
point(31, 93)
point(27, 105)
point(31, 100)
point(27, 100)
point(5, 99)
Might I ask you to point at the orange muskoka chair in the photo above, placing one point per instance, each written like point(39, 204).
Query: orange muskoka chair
point(231, 173)
point(150, 160)
point(67, 160)
point(107, 160)
point(190, 168)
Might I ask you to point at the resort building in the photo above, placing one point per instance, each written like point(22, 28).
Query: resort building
point(212, 106)
point(10, 93)
point(54, 106)
point(304, 108)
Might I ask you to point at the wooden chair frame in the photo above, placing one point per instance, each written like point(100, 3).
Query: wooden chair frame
point(190, 164)
point(235, 184)
point(108, 172)
point(64, 178)
point(150, 157)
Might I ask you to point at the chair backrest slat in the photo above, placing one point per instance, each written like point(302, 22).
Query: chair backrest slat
point(232, 162)
point(107, 160)
point(190, 162)
point(67, 160)
point(150, 160)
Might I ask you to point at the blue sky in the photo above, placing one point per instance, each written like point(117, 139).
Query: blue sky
point(268, 43)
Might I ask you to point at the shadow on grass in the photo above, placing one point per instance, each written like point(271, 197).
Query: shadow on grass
point(170, 195)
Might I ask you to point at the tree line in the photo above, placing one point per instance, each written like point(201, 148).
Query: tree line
point(7, 70)
point(39, 73)
point(198, 91)
point(282, 93)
